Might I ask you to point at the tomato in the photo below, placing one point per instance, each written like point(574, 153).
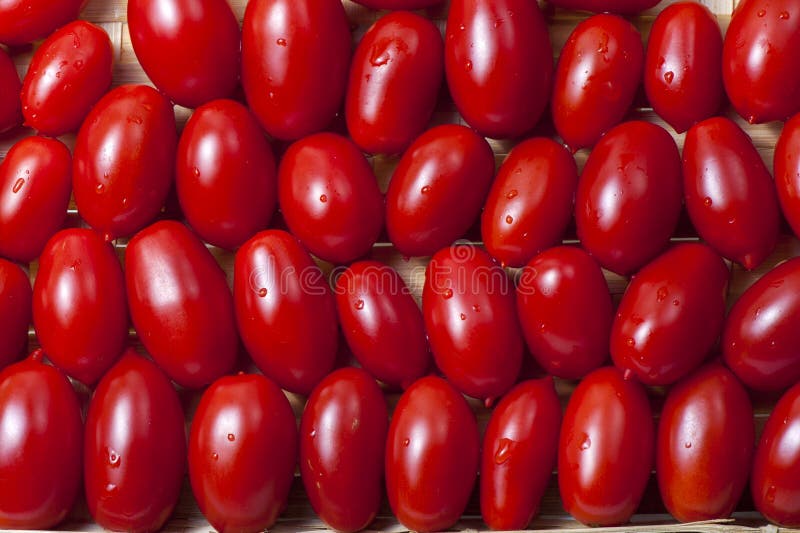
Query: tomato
point(382, 323)
point(25, 21)
point(124, 160)
point(330, 198)
point(41, 441)
point(432, 453)
point(180, 304)
point(787, 172)
point(598, 72)
point(15, 312)
point(342, 447)
point(629, 197)
point(759, 68)
point(682, 77)
point(226, 179)
point(499, 64)
point(68, 74)
point(729, 194)
point(437, 189)
point(565, 311)
point(135, 451)
point(623, 7)
point(242, 453)
point(10, 111)
point(35, 185)
point(295, 60)
point(530, 203)
point(519, 454)
point(285, 311)
point(398, 4)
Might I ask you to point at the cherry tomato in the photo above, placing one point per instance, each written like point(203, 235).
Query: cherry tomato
point(382, 323)
point(226, 179)
point(295, 60)
point(35, 185)
point(135, 451)
point(519, 454)
point(787, 172)
point(25, 21)
point(330, 198)
point(530, 203)
point(629, 197)
point(285, 311)
point(41, 441)
point(729, 194)
point(10, 111)
point(398, 4)
point(68, 74)
point(242, 453)
point(125, 160)
point(598, 72)
point(342, 447)
point(565, 310)
point(180, 304)
point(623, 7)
point(432, 454)
point(437, 189)
point(15, 312)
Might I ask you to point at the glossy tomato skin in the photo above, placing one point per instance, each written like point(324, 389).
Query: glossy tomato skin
point(596, 79)
point(180, 304)
point(10, 105)
point(622, 7)
point(519, 453)
point(382, 323)
point(432, 454)
point(342, 448)
point(41, 445)
point(682, 77)
point(787, 172)
point(295, 60)
point(729, 194)
point(629, 196)
point(35, 184)
point(226, 177)
point(135, 451)
point(565, 311)
point(15, 312)
point(437, 189)
point(499, 64)
point(68, 74)
point(242, 453)
point(287, 322)
point(25, 21)
point(124, 160)
point(606, 448)
point(398, 4)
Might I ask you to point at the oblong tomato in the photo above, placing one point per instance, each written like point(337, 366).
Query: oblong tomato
point(623, 7)
point(398, 4)
point(180, 304)
point(242, 453)
point(730, 196)
point(16, 299)
point(25, 21)
point(10, 86)
point(786, 167)
point(432, 454)
point(285, 311)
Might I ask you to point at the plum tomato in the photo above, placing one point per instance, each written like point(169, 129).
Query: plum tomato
point(16, 299)
point(25, 21)
point(787, 172)
point(10, 86)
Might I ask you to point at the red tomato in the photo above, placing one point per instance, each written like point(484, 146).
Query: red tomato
point(135, 451)
point(342, 446)
point(125, 160)
point(530, 203)
point(242, 453)
point(10, 112)
point(437, 189)
point(79, 304)
point(285, 311)
point(15, 312)
point(35, 184)
point(499, 64)
point(295, 59)
point(519, 454)
point(787, 172)
point(431, 456)
point(68, 74)
point(759, 66)
point(629, 196)
point(705, 444)
point(41, 440)
point(330, 198)
point(729, 194)
point(398, 4)
point(598, 72)
point(565, 310)
point(682, 77)
point(623, 7)
point(605, 453)
point(180, 304)
point(25, 21)
point(394, 82)
point(382, 323)
point(225, 179)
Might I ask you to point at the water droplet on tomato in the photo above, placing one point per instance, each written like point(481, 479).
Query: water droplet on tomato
point(78, 64)
point(18, 185)
point(761, 13)
point(504, 449)
point(687, 444)
point(707, 201)
point(406, 442)
point(426, 189)
point(360, 305)
point(323, 198)
point(262, 292)
point(669, 76)
point(231, 437)
point(281, 42)
point(100, 188)
point(448, 293)
point(509, 219)
point(661, 294)
point(511, 194)
point(784, 15)
point(215, 456)
point(586, 442)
